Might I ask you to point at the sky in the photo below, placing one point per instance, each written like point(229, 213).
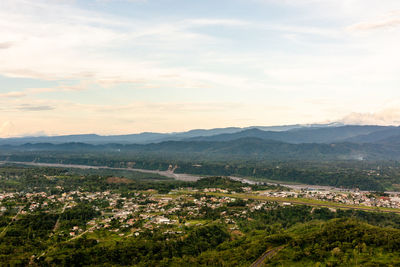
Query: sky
point(130, 66)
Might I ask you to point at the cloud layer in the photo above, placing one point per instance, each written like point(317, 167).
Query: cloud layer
point(133, 66)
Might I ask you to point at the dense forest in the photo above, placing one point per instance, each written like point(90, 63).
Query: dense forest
point(306, 237)
point(365, 175)
point(44, 179)
point(253, 148)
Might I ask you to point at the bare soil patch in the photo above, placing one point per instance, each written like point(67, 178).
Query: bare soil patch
point(118, 180)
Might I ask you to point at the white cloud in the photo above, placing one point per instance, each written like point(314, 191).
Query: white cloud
point(390, 20)
point(7, 129)
point(213, 22)
point(63, 42)
point(272, 66)
point(383, 117)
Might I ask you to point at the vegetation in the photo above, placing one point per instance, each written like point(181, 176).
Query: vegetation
point(29, 179)
point(375, 176)
point(307, 237)
point(64, 217)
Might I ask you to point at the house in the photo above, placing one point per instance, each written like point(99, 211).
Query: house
point(162, 220)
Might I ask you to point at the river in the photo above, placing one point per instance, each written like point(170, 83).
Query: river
point(176, 176)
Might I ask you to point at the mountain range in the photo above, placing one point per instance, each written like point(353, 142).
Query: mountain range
point(294, 134)
point(313, 133)
point(294, 142)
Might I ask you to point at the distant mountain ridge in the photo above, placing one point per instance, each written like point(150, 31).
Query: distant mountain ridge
point(381, 136)
point(300, 135)
point(293, 134)
point(249, 148)
point(146, 137)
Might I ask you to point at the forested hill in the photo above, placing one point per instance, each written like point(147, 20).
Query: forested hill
point(306, 135)
point(294, 134)
point(317, 142)
point(240, 149)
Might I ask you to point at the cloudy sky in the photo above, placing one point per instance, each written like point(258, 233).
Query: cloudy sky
point(128, 66)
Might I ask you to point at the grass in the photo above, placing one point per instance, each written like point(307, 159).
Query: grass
point(160, 196)
point(194, 222)
point(105, 236)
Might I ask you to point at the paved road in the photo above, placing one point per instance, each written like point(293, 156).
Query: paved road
point(81, 234)
point(268, 254)
point(299, 202)
point(334, 205)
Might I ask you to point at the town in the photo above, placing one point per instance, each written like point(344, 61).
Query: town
point(47, 213)
point(182, 208)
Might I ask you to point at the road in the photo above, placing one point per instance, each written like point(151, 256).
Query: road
point(81, 234)
point(299, 202)
point(58, 219)
point(334, 205)
point(12, 220)
point(268, 254)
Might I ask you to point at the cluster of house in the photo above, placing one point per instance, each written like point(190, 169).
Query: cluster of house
point(138, 212)
point(147, 210)
point(364, 198)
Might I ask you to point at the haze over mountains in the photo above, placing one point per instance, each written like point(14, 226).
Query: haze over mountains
point(294, 134)
point(294, 142)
